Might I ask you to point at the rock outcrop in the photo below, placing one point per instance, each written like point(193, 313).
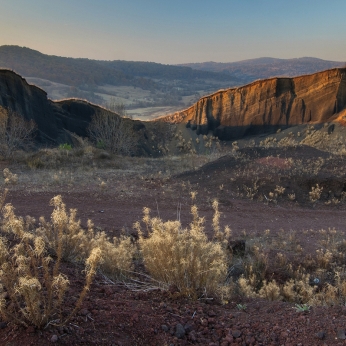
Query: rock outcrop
point(266, 105)
point(29, 101)
point(51, 118)
point(56, 121)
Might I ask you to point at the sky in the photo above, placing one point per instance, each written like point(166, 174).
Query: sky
point(179, 31)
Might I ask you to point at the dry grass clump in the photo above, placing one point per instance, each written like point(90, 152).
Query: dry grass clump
point(317, 279)
point(117, 254)
point(64, 234)
point(270, 291)
point(291, 196)
point(288, 141)
point(181, 257)
point(76, 243)
point(268, 142)
point(56, 158)
point(32, 289)
point(251, 192)
point(315, 193)
point(279, 190)
point(10, 178)
point(299, 290)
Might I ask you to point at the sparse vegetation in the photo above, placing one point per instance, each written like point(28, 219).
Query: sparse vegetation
point(302, 307)
point(112, 132)
point(32, 287)
point(181, 257)
point(315, 193)
point(15, 132)
point(10, 178)
point(199, 259)
point(65, 146)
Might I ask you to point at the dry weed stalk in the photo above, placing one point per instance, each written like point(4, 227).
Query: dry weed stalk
point(251, 192)
point(3, 198)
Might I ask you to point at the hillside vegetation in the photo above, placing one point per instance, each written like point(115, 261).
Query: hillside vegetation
point(252, 69)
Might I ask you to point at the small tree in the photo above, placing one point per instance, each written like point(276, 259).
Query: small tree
point(113, 133)
point(15, 132)
point(117, 107)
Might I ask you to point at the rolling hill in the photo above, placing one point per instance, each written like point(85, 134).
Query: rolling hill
point(252, 69)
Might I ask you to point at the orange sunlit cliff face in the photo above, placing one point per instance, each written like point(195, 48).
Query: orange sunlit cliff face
point(280, 102)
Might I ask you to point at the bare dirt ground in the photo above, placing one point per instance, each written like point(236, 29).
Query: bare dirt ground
point(118, 314)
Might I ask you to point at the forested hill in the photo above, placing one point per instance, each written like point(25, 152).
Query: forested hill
point(78, 72)
point(262, 68)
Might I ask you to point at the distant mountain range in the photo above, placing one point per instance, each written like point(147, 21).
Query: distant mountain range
point(262, 68)
point(98, 81)
point(175, 86)
point(79, 72)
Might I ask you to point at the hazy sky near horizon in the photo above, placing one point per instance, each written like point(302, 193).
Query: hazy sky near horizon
point(180, 31)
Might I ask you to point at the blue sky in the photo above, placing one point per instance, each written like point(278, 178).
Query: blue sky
point(178, 31)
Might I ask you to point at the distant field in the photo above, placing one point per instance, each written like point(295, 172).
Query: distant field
point(127, 95)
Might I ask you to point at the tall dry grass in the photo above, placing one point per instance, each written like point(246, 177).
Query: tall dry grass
point(182, 257)
point(32, 288)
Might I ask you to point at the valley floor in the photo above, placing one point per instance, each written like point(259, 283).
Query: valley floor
point(138, 313)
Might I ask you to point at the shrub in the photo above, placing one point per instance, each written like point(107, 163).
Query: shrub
point(117, 255)
point(9, 177)
point(64, 233)
point(15, 132)
point(32, 288)
point(181, 257)
point(65, 146)
point(315, 193)
point(76, 243)
point(114, 133)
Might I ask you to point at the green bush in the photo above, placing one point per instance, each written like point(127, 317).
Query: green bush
point(65, 146)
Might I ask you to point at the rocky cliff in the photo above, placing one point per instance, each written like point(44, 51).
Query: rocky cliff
point(52, 118)
point(57, 120)
point(267, 105)
point(29, 101)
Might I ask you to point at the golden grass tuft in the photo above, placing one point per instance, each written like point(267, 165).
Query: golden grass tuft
point(32, 288)
point(63, 234)
point(117, 255)
point(181, 257)
point(10, 178)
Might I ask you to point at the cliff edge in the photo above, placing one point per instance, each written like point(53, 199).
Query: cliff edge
point(267, 105)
